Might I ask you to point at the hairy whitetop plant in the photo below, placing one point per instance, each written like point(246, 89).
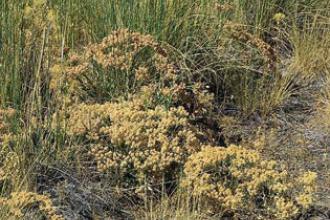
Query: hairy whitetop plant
point(16, 204)
point(237, 180)
point(137, 144)
point(121, 63)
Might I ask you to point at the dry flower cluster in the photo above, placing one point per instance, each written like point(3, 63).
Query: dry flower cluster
point(234, 178)
point(8, 161)
point(131, 139)
point(18, 201)
point(237, 31)
point(116, 56)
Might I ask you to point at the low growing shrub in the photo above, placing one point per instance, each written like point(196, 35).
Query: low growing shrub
point(137, 145)
point(17, 202)
point(237, 180)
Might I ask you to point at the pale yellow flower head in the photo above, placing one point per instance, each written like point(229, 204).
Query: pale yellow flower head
point(279, 17)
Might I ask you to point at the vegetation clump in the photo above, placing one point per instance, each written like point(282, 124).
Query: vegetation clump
point(157, 109)
point(134, 143)
point(17, 202)
point(235, 179)
point(130, 59)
